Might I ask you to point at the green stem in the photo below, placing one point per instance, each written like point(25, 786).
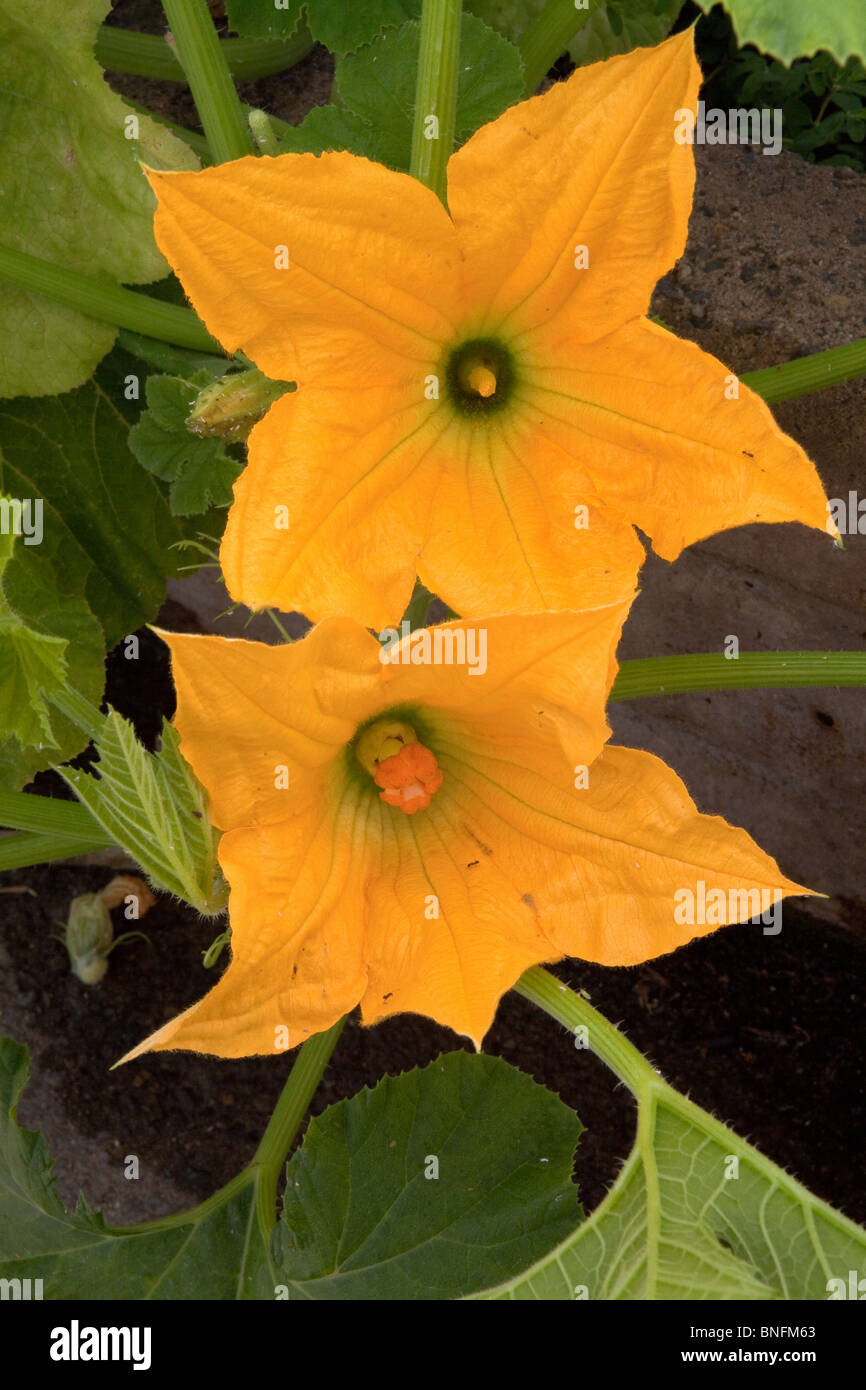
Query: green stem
point(27, 847)
point(283, 1125)
point(436, 93)
point(203, 60)
point(548, 37)
point(108, 302)
point(678, 675)
point(47, 815)
point(606, 1041)
point(812, 373)
point(149, 55)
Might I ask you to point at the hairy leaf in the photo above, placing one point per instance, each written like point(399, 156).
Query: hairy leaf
point(422, 1187)
point(71, 187)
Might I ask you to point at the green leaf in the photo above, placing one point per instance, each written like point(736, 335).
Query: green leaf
point(696, 1212)
point(341, 27)
point(362, 1221)
point(200, 470)
point(256, 19)
point(798, 29)
point(155, 808)
point(508, 17)
point(107, 525)
point(212, 1252)
point(30, 661)
point(621, 25)
point(71, 187)
point(375, 89)
point(99, 570)
point(330, 128)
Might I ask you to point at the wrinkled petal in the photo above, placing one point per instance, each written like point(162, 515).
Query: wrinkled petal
point(533, 684)
point(246, 710)
point(593, 162)
point(297, 964)
point(347, 468)
point(443, 937)
point(599, 866)
point(648, 416)
point(518, 525)
point(371, 283)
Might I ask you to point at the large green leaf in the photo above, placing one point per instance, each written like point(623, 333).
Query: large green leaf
point(99, 569)
point(362, 1220)
point(71, 187)
point(213, 1252)
point(798, 28)
point(375, 93)
point(340, 26)
point(510, 17)
point(697, 1213)
point(618, 26)
point(153, 805)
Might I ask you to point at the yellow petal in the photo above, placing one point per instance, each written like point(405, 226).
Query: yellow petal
point(317, 267)
point(246, 710)
point(329, 515)
point(295, 907)
point(602, 865)
point(518, 525)
point(444, 936)
point(654, 421)
point(592, 163)
point(533, 687)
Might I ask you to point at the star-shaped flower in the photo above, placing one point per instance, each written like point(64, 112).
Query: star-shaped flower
point(481, 397)
point(410, 828)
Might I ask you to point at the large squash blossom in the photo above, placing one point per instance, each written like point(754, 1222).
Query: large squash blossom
point(481, 397)
point(412, 833)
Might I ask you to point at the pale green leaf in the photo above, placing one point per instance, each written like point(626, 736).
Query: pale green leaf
point(697, 1213)
point(71, 187)
point(798, 28)
point(155, 808)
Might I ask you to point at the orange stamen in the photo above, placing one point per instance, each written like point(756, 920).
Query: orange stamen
point(409, 779)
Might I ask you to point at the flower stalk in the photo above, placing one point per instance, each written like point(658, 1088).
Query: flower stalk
point(436, 93)
point(679, 675)
point(548, 37)
point(203, 60)
point(310, 1063)
point(171, 323)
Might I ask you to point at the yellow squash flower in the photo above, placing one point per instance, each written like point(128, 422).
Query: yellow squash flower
point(411, 827)
point(481, 397)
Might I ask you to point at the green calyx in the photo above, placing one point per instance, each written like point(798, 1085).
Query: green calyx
point(479, 376)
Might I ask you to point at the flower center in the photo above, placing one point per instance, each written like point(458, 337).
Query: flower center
point(405, 771)
point(479, 375)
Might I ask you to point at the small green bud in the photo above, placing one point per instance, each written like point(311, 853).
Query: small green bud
point(231, 406)
point(88, 937)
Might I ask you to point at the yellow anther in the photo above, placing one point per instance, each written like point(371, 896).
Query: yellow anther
point(481, 380)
